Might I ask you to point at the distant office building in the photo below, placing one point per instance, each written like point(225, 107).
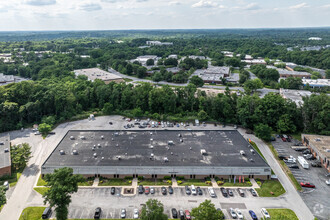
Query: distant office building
point(213, 74)
point(314, 38)
point(197, 57)
point(320, 148)
point(173, 56)
point(96, 73)
point(316, 83)
point(158, 43)
point(143, 59)
point(5, 161)
point(7, 79)
point(286, 73)
point(255, 61)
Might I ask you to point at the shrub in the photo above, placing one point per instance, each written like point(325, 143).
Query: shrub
point(140, 178)
point(180, 177)
point(130, 181)
point(128, 178)
point(207, 179)
point(220, 183)
point(208, 182)
point(179, 182)
point(216, 178)
point(167, 178)
point(169, 181)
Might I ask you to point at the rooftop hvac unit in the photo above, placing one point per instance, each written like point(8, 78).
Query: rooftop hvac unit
point(116, 134)
point(179, 135)
point(151, 155)
point(112, 139)
point(82, 137)
point(75, 152)
point(71, 138)
point(102, 158)
point(251, 160)
point(102, 137)
point(95, 155)
point(118, 157)
point(203, 152)
point(151, 147)
point(150, 133)
point(252, 151)
point(62, 152)
point(98, 145)
point(151, 139)
point(170, 142)
point(93, 148)
point(181, 140)
point(242, 152)
point(165, 159)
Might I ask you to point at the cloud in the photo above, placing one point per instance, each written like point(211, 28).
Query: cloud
point(89, 6)
point(299, 6)
point(174, 3)
point(326, 6)
point(252, 6)
point(40, 2)
point(205, 4)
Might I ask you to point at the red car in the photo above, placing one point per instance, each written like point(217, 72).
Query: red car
point(309, 185)
point(187, 213)
point(283, 139)
point(146, 190)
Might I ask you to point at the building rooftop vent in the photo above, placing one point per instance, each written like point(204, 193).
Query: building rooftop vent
point(71, 138)
point(82, 137)
point(181, 140)
point(112, 139)
point(118, 157)
point(6, 150)
point(151, 155)
point(95, 155)
point(75, 152)
point(102, 158)
point(252, 151)
point(102, 137)
point(251, 160)
point(165, 159)
point(116, 134)
point(170, 142)
point(151, 147)
point(62, 152)
point(203, 152)
point(150, 133)
point(2, 143)
point(242, 152)
point(179, 135)
point(151, 139)
point(99, 145)
point(93, 148)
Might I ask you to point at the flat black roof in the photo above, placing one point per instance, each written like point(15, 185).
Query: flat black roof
point(4, 154)
point(150, 147)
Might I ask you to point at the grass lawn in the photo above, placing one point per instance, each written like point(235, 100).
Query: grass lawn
point(114, 182)
point(285, 168)
point(257, 149)
point(270, 186)
point(32, 213)
point(86, 183)
point(128, 80)
point(11, 179)
point(193, 182)
point(237, 184)
point(152, 182)
point(282, 214)
point(41, 181)
point(1, 207)
point(41, 190)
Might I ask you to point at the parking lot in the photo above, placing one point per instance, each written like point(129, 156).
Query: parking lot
point(316, 199)
point(86, 200)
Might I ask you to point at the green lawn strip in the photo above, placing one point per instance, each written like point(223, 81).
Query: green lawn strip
point(32, 213)
point(12, 179)
point(193, 182)
point(282, 214)
point(114, 182)
point(41, 190)
point(41, 181)
point(257, 149)
point(285, 167)
point(1, 207)
point(128, 80)
point(270, 188)
point(86, 183)
point(152, 182)
point(297, 136)
point(237, 184)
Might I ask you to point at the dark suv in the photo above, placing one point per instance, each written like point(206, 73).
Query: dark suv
point(141, 189)
point(97, 214)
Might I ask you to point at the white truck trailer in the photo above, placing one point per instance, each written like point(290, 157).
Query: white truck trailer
point(303, 162)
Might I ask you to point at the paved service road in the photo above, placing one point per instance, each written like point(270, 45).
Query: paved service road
point(24, 195)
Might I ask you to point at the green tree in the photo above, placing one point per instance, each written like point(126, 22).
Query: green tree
point(263, 131)
point(141, 72)
point(202, 115)
point(197, 81)
point(108, 108)
point(206, 211)
point(285, 124)
point(157, 76)
point(44, 129)
point(250, 86)
point(3, 198)
point(327, 74)
point(150, 62)
point(20, 155)
point(62, 183)
point(49, 120)
point(154, 210)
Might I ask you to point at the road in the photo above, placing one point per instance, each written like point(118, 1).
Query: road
point(291, 198)
point(24, 195)
point(262, 92)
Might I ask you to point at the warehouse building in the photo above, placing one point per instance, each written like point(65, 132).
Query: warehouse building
point(96, 73)
point(319, 146)
point(5, 162)
point(155, 154)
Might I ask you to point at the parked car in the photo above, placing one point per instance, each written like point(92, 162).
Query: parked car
point(152, 190)
point(123, 213)
point(136, 214)
point(281, 157)
point(188, 191)
point(113, 190)
point(308, 185)
point(224, 192)
point(164, 190)
point(253, 215)
point(253, 192)
point(241, 192)
point(97, 214)
point(293, 166)
point(265, 213)
point(174, 213)
point(141, 189)
point(48, 211)
point(232, 213)
point(187, 214)
point(308, 151)
point(316, 164)
point(199, 191)
point(230, 192)
point(327, 182)
point(193, 190)
point(146, 190)
point(211, 191)
point(181, 214)
point(170, 190)
point(283, 139)
point(239, 214)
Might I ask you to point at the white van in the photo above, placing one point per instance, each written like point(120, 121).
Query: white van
point(193, 190)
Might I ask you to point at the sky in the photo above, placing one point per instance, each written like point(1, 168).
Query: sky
point(25, 15)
